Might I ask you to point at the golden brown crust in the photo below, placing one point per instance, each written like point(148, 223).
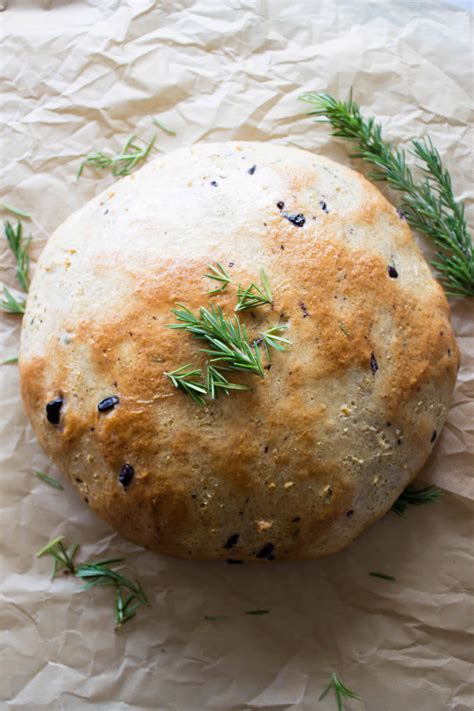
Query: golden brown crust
point(321, 446)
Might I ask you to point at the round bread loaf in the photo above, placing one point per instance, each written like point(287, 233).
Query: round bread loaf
point(341, 422)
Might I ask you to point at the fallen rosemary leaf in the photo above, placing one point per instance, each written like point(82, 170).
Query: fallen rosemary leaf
point(257, 612)
point(215, 617)
point(412, 496)
point(15, 211)
point(341, 691)
point(163, 127)
point(382, 576)
point(429, 205)
point(7, 361)
point(49, 480)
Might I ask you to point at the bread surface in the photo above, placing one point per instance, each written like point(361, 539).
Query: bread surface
point(301, 463)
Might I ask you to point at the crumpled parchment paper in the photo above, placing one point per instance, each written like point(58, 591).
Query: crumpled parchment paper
point(82, 75)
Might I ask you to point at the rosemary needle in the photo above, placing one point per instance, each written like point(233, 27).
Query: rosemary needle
point(428, 205)
point(382, 576)
point(219, 274)
point(15, 211)
point(8, 361)
point(164, 128)
point(49, 480)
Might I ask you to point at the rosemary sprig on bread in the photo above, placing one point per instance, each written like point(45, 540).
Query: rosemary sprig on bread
point(428, 205)
point(229, 346)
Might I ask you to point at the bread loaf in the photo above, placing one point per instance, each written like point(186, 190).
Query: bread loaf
point(313, 452)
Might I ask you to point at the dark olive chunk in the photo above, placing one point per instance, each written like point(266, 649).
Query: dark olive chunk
point(53, 410)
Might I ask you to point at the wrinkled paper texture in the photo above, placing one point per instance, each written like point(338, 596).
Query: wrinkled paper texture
point(82, 75)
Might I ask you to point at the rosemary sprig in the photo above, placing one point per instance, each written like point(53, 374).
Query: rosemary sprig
point(128, 594)
point(216, 381)
point(228, 338)
point(49, 480)
point(63, 559)
point(131, 156)
point(429, 205)
point(11, 305)
point(270, 340)
point(219, 274)
point(19, 246)
point(413, 496)
point(184, 378)
point(254, 295)
point(341, 691)
point(15, 211)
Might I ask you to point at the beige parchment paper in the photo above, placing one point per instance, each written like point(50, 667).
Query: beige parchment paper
point(81, 75)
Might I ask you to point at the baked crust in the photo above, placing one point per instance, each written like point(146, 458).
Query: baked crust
point(304, 461)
